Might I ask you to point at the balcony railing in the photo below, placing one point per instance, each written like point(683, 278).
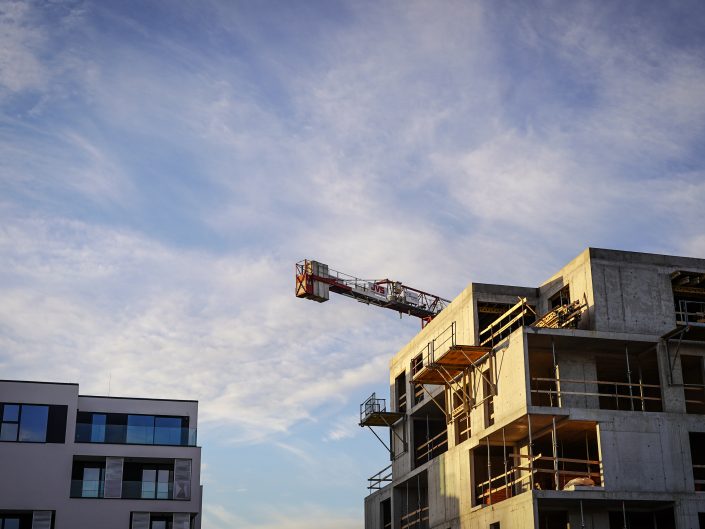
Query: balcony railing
point(417, 519)
point(147, 490)
point(690, 312)
point(139, 435)
point(372, 405)
point(380, 479)
point(623, 395)
point(86, 488)
point(131, 490)
point(432, 448)
point(545, 472)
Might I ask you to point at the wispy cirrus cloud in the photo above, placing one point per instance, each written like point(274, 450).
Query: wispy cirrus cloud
point(161, 170)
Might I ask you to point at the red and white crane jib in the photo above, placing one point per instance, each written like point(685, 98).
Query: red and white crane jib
point(315, 280)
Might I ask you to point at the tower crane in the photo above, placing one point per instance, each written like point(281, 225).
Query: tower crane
point(315, 280)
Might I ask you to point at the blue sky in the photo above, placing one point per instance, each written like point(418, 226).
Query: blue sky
point(163, 165)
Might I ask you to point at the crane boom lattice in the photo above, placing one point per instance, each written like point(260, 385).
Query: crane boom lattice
point(315, 280)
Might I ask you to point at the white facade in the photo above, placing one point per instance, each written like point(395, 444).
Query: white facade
point(69, 461)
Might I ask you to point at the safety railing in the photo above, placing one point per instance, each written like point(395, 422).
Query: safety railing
point(634, 395)
point(380, 479)
point(542, 472)
point(416, 366)
point(699, 477)
point(417, 519)
point(694, 394)
point(690, 312)
point(372, 405)
point(515, 317)
point(432, 448)
point(462, 427)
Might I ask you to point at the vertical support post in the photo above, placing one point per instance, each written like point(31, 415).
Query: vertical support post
point(506, 477)
point(624, 515)
point(418, 497)
point(555, 373)
point(629, 377)
point(641, 389)
point(587, 455)
point(489, 473)
point(582, 516)
point(531, 454)
point(554, 440)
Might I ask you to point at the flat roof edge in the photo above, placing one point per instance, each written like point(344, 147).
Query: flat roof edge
point(135, 398)
point(40, 382)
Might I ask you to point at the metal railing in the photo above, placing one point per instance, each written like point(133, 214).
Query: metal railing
point(690, 312)
point(372, 405)
point(432, 448)
point(131, 434)
point(633, 393)
point(417, 519)
point(546, 476)
point(503, 326)
point(380, 479)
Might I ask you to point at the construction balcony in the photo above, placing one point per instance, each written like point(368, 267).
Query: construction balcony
point(573, 371)
point(536, 452)
point(410, 500)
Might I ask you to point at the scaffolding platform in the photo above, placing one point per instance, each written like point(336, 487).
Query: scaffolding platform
point(450, 364)
point(373, 412)
point(383, 418)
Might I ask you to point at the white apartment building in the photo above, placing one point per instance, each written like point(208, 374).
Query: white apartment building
point(70, 461)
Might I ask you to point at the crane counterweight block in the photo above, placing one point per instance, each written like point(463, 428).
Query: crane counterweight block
point(315, 280)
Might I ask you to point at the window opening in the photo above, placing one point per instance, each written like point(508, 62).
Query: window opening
point(517, 316)
point(430, 438)
point(386, 514)
point(416, 366)
point(693, 384)
point(689, 297)
point(413, 495)
point(697, 454)
point(553, 519)
point(560, 298)
point(400, 389)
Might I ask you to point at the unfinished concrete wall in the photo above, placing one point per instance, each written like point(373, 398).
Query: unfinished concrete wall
point(645, 453)
point(373, 507)
point(572, 367)
point(577, 275)
point(633, 291)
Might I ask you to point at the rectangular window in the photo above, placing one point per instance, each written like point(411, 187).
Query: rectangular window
point(88, 477)
point(18, 519)
point(10, 422)
point(167, 431)
point(155, 483)
point(98, 428)
point(161, 522)
point(140, 429)
point(26, 423)
point(33, 423)
point(92, 484)
point(121, 428)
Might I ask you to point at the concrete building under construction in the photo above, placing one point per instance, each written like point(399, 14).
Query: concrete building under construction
point(575, 404)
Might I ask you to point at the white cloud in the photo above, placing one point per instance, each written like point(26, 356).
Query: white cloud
point(225, 330)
